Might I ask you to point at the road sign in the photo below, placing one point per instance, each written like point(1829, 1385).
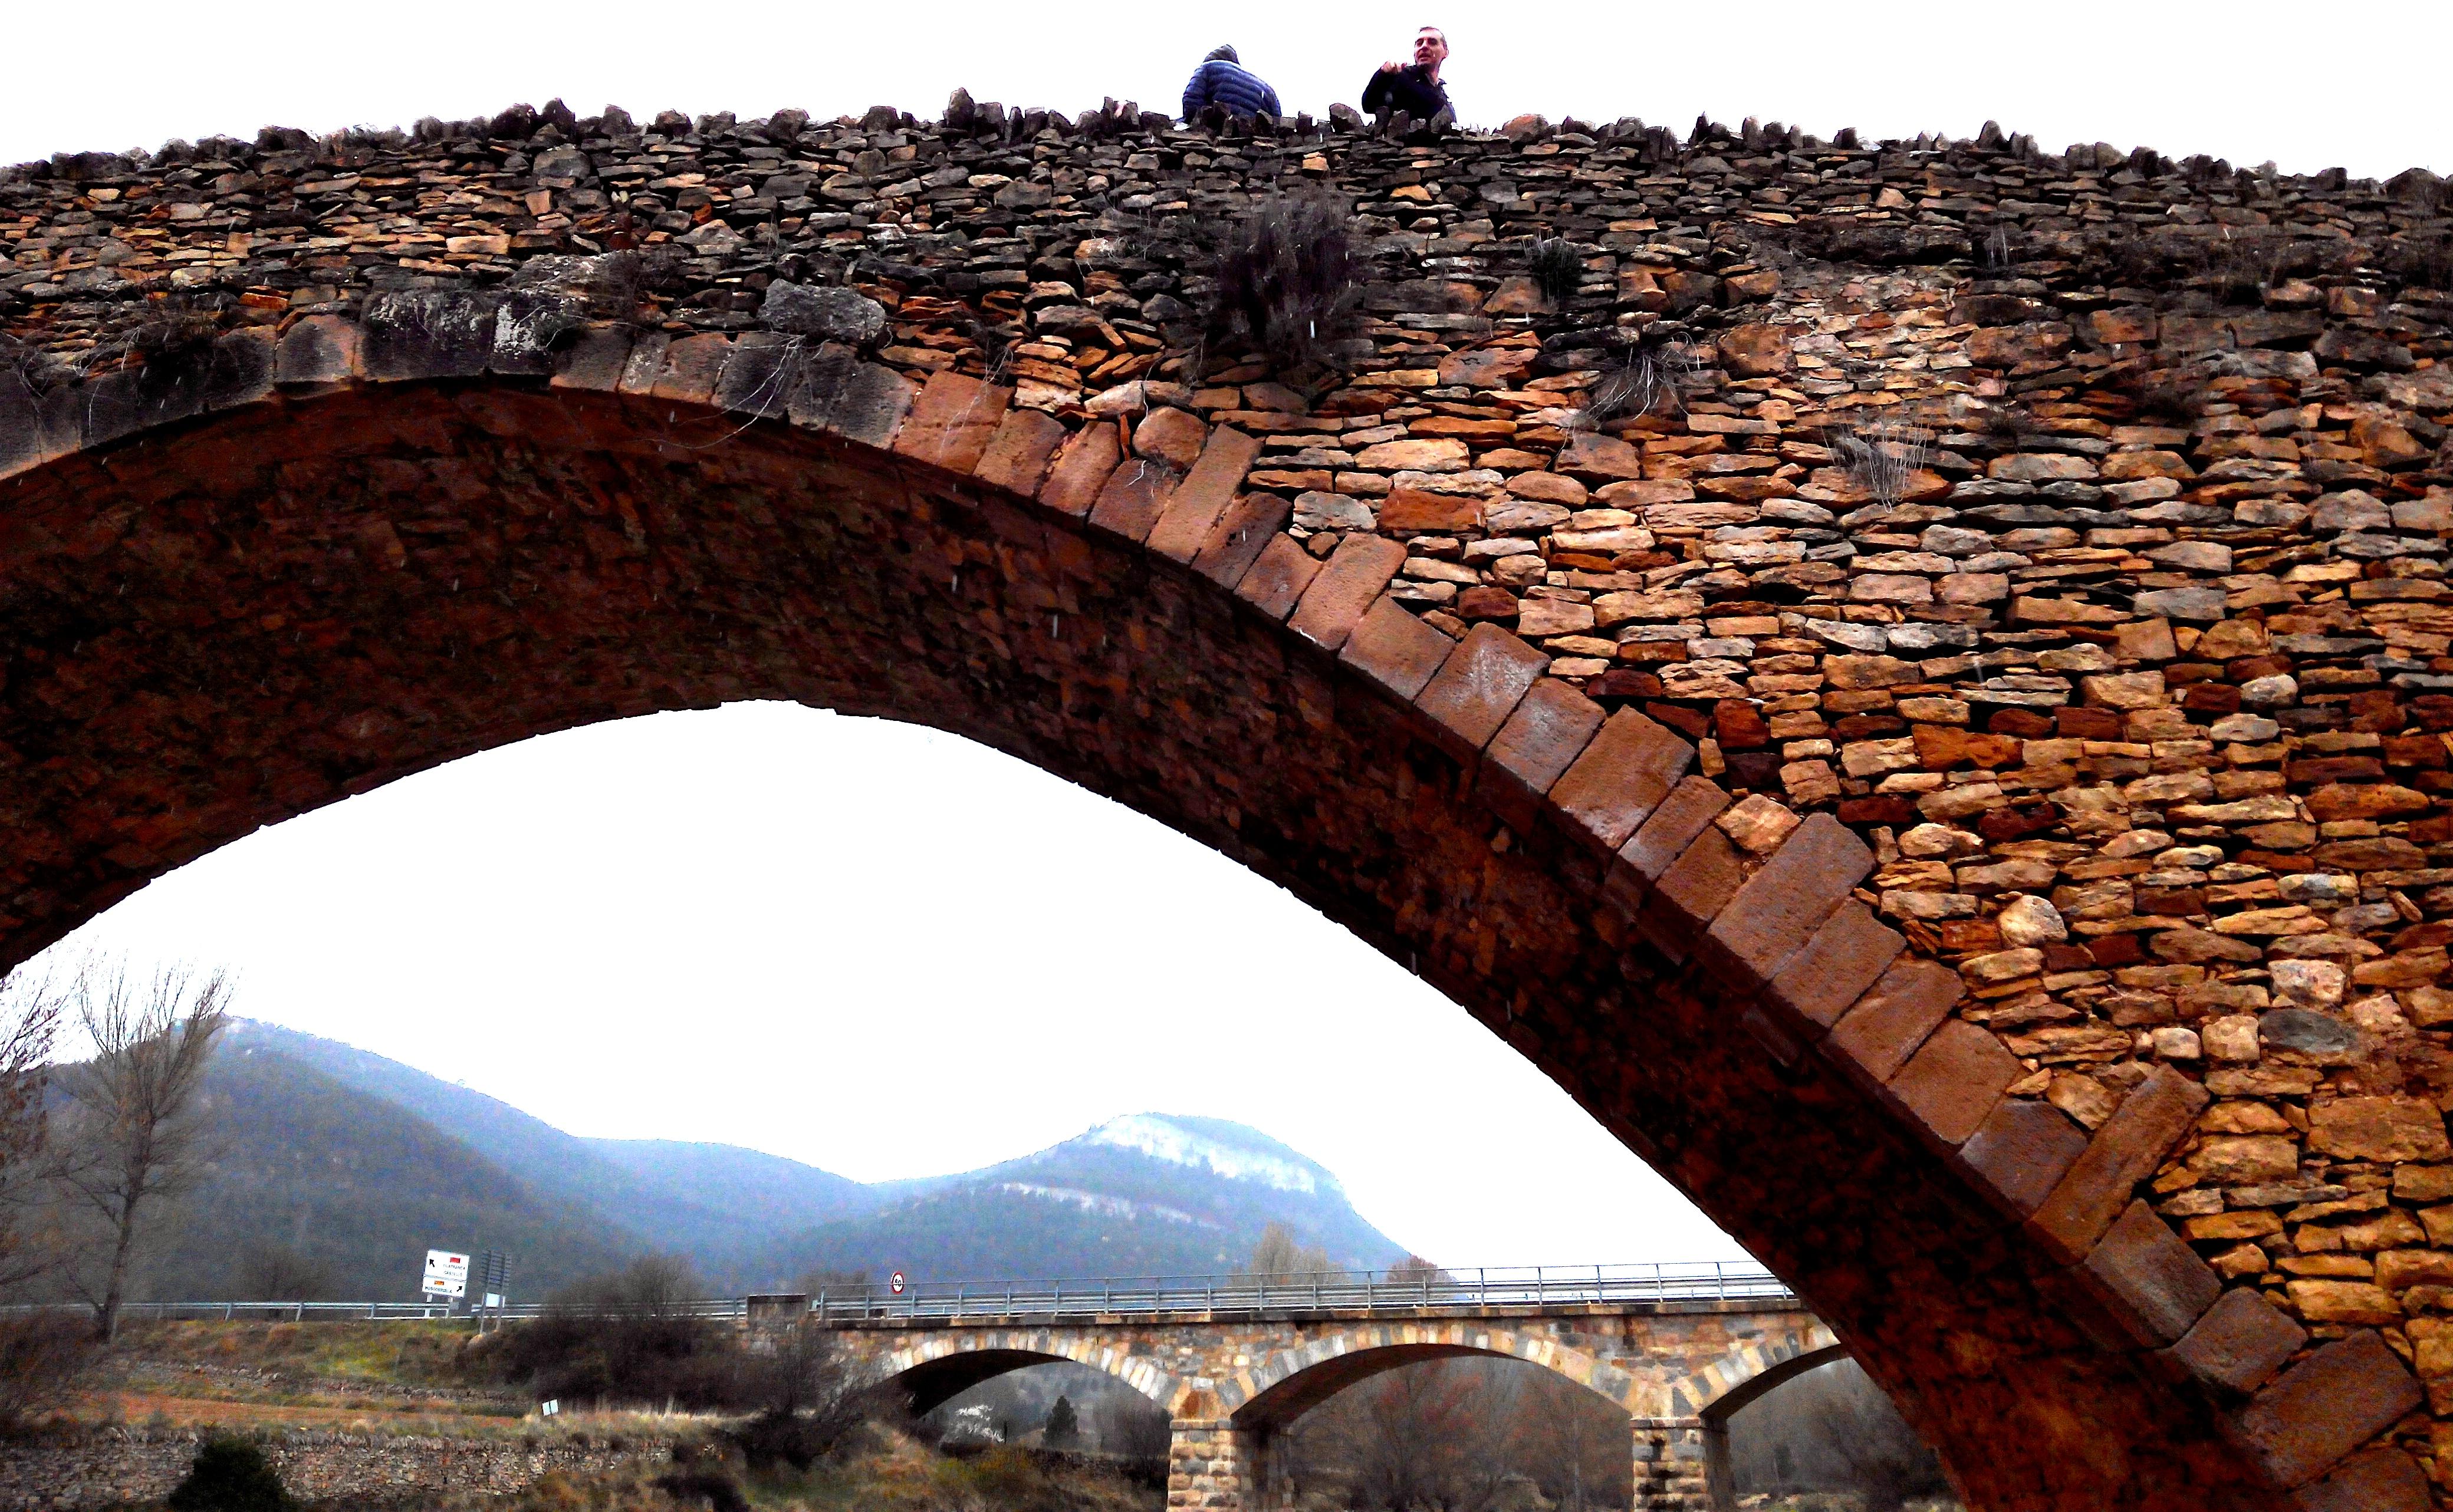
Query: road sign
point(446, 1273)
point(897, 1283)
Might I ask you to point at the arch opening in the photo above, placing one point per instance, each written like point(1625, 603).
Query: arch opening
point(1454, 1428)
point(1815, 1423)
point(931, 1383)
point(1101, 1414)
point(1279, 1405)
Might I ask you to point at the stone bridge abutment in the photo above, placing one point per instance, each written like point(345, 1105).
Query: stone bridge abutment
point(1912, 679)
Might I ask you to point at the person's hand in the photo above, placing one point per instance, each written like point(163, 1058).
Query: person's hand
point(1390, 67)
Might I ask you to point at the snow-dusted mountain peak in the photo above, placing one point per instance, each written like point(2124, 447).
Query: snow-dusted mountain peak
point(1199, 1144)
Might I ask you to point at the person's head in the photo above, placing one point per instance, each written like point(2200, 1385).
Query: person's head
point(1221, 55)
point(1430, 48)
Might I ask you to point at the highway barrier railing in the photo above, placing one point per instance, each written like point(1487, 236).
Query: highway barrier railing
point(1402, 1290)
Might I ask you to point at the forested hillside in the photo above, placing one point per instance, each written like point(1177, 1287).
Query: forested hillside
point(334, 1170)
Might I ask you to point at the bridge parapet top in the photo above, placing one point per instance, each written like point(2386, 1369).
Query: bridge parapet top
point(1338, 1293)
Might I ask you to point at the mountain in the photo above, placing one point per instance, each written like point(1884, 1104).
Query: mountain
point(358, 1187)
point(1149, 1195)
point(710, 1202)
point(360, 1164)
point(753, 1192)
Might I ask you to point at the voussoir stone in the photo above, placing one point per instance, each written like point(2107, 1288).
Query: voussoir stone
point(824, 311)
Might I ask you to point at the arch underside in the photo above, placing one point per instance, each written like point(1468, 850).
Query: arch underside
point(934, 1383)
point(310, 598)
point(1291, 1382)
point(1752, 1388)
point(1288, 1382)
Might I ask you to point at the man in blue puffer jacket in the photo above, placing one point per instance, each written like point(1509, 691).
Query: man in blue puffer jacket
point(1221, 80)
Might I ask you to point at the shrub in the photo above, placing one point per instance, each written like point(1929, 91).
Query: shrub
point(624, 1338)
point(1287, 281)
point(41, 1356)
point(698, 1478)
point(229, 1475)
point(808, 1402)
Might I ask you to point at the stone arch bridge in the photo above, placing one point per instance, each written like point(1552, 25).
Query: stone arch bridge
point(1232, 1367)
point(1911, 678)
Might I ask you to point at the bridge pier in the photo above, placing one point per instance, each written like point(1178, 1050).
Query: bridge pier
point(1213, 1464)
point(1671, 1465)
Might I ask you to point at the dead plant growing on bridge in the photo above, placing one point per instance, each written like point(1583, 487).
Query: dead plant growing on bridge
point(1289, 282)
point(1650, 376)
point(1556, 268)
point(1883, 456)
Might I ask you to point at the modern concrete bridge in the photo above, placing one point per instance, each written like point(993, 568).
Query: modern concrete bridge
point(1677, 1348)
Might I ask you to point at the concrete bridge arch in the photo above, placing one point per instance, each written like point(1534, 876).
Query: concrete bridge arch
point(381, 527)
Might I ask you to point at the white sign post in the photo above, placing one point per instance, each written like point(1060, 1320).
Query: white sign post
point(447, 1274)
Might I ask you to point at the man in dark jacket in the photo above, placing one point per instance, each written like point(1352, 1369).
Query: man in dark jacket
point(1414, 89)
point(1222, 81)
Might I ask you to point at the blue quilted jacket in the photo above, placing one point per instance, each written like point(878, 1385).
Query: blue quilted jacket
point(1240, 90)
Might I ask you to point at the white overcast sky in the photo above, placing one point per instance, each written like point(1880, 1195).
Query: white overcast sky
point(2309, 87)
point(885, 951)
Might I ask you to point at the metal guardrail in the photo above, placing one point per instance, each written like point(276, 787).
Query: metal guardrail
point(1354, 1291)
point(1363, 1291)
point(719, 1307)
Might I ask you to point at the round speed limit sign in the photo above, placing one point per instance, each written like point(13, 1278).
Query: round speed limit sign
point(897, 1283)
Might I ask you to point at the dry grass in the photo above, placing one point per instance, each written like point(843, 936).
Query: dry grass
point(894, 1473)
point(1289, 282)
point(1883, 456)
point(1650, 376)
point(1556, 268)
point(414, 1353)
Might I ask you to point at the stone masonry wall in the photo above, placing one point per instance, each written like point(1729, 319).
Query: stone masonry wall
point(120, 1467)
point(2069, 529)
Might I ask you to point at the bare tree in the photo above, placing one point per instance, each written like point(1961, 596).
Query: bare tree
point(1461, 1435)
point(283, 1273)
point(1130, 1427)
point(809, 1399)
point(1572, 1441)
point(30, 1019)
point(1887, 1461)
point(132, 1137)
point(1831, 1430)
point(1421, 1436)
point(1277, 1256)
point(41, 1354)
